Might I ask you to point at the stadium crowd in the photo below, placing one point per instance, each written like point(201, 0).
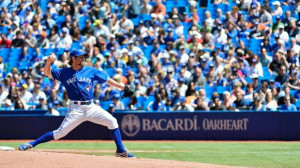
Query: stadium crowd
point(232, 55)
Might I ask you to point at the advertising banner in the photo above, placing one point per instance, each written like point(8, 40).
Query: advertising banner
point(195, 126)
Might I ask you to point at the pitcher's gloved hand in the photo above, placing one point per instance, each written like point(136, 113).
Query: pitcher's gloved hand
point(127, 91)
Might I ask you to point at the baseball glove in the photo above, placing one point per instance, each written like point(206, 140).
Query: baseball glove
point(127, 91)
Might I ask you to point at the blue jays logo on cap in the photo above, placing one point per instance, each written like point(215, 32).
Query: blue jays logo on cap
point(76, 53)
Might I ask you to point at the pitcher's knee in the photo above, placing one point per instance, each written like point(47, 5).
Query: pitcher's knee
point(58, 134)
point(112, 123)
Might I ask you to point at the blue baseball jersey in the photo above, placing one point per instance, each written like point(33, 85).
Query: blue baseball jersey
point(79, 84)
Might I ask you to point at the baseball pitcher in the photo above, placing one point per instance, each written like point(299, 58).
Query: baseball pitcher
point(78, 81)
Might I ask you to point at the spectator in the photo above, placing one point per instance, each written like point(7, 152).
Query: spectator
point(4, 42)
point(18, 42)
point(227, 104)
point(240, 102)
point(42, 104)
point(1, 67)
point(198, 78)
point(65, 99)
point(146, 8)
point(201, 106)
point(112, 108)
point(126, 24)
point(216, 103)
point(101, 29)
point(249, 93)
point(283, 76)
point(25, 94)
point(265, 58)
point(139, 89)
point(266, 17)
point(294, 82)
point(183, 106)
point(104, 9)
point(271, 104)
point(159, 9)
point(258, 104)
point(288, 106)
point(202, 95)
point(30, 40)
point(278, 10)
point(53, 97)
point(292, 29)
point(52, 111)
point(133, 8)
point(118, 104)
point(158, 104)
point(3, 93)
point(278, 61)
point(37, 94)
point(8, 105)
point(286, 90)
point(134, 104)
point(169, 81)
point(256, 68)
point(66, 40)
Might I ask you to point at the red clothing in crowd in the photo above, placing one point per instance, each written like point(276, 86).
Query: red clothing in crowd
point(5, 43)
point(159, 9)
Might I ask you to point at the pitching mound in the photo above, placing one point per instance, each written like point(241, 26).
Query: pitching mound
point(38, 159)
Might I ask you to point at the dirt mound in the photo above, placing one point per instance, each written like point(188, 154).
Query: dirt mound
point(42, 159)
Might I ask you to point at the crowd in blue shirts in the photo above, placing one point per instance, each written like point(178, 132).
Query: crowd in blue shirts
point(176, 55)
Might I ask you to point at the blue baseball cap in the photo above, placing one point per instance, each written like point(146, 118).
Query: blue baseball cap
point(76, 53)
point(181, 99)
point(137, 81)
point(196, 64)
point(151, 82)
point(181, 80)
point(277, 85)
point(112, 105)
point(56, 102)
point(50, 105)
point(116, 96)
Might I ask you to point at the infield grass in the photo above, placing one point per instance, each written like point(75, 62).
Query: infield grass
point(248, 154)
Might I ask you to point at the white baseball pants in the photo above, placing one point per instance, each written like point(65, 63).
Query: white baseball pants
point(77, 114)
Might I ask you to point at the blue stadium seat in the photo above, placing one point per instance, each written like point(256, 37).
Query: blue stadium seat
point(135, 21)
point(297, 94)
point(266, 74)
point(16, 51)
point(43, 4)
point(209, 90)
point(145, 17)
point(110, 72)
point(49, 50)
point(77, 45)
point(248, 79)
point(4, 29)
point(221, 89)
point(293, 92)
point(147, 100)
point(147, 51)
point(126, 101)
point(60, 20)
point(82, 21)
point(298, 104)
point(105, 104)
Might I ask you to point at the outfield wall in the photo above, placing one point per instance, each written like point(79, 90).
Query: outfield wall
point(166, 126)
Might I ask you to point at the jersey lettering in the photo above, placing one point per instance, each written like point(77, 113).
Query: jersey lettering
point(84, 79)
point(71, 80)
